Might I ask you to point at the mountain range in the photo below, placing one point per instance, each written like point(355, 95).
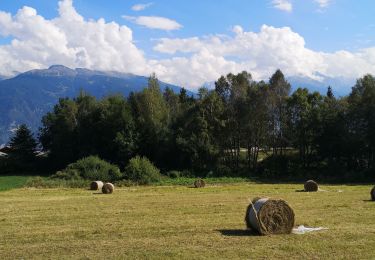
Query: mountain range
point(28, 96)
point(340, 86)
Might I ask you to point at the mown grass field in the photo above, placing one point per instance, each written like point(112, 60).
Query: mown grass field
point(180, 222)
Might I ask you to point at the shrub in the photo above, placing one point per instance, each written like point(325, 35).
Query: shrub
point(67, 174)
point(174, 174)
point(40, 182)
point(142, 171)
point(223, 170)
point(187, 174)
point(90, 168)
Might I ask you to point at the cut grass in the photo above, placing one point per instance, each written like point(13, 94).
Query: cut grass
point(12, 182)
point(182, 222)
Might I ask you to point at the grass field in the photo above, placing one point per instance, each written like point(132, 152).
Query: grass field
point(12, 182)
point(181, 222)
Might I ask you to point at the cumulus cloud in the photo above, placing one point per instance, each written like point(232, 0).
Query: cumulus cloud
point(283, 5)
point(68, 39)
point(140, 7)
point(260, 53)
point(74, 41)
point(154, 22)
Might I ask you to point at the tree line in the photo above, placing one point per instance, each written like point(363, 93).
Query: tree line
point(241, 127)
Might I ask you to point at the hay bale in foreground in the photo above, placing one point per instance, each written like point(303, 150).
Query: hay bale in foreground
point(108, 188)
point(270, 216)
point(311, 186)
point(96, 185)
point(373, 193)
point(199, 183)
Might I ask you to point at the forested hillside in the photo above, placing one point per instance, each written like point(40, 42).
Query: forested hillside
point(241, 128)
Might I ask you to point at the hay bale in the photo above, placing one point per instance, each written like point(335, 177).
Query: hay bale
point(311, 186)
point(96, 185)
point(199, 183)
point(373, 193)
point(270, 216)
point(108, 188)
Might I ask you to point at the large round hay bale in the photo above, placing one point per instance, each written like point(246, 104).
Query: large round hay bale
point(199, 183)
point(96, 185)
point(270, 216)
point(311, 186)
point(373, 193)
point(108, 188)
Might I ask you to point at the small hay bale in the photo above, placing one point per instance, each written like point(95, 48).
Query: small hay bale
point(270, 216)
point(108, 188)
point(199, 183)
point(373, 193)
point(311, 186)
point(96, 185)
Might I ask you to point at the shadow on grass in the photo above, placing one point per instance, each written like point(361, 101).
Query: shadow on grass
point(237, 232)
point(368, 201)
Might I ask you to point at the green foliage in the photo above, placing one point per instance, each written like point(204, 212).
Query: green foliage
point(152, 118)
point(90, 168)
point(222, 170)
point(22, 146)
point(84, 126)
point(140, 170)
point(174, 174)
point(238, 129)
point(44, 182)
point(187, 181)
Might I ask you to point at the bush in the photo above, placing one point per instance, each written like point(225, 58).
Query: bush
point(187, 174)
point(142, 171)
point(90, 168)
point(40, 182)
point(174, 174)
point(223, 170)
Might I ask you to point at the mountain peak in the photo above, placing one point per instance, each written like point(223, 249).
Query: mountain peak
point(58, 67)
point(52, 71)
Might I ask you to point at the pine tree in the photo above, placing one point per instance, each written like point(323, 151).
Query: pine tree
point(23, 145)
point(330, 93)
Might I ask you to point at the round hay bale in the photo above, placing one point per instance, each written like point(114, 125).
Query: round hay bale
point(96, 185)
point(270, 216)
point(311, 186)
point(199, 183)
point(108, 188)
point(373, 193)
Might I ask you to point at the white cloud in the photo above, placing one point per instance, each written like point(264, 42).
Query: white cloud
point(68, 39)
point(284, 5)
point(74, 41)
point(154, 22)
point(140, 7)
point(205, 59)
point(323, 3)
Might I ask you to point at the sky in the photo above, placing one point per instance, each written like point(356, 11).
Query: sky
point(191, 42)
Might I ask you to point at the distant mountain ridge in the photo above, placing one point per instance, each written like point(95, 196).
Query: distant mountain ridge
point(341, 86)
point(28, 96)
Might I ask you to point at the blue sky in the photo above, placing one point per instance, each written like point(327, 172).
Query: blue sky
point(329, 35)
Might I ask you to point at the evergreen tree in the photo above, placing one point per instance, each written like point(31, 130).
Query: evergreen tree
point(330, 93)
point(23, 145)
